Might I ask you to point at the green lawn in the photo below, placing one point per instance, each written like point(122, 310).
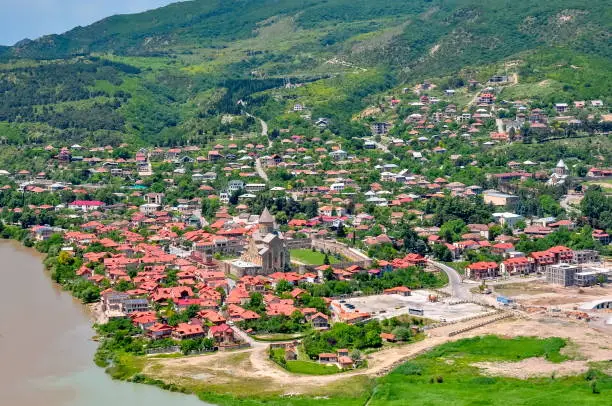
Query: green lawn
point(311, 368)
point(309, 257)
point(605, 184)
point(446, 374)
point(279, 336)
point(458, 266)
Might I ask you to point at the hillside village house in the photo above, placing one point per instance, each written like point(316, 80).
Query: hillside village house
point(498, 198)
point(319, 321)
point(86, 205)
point(380, 128)
point(482, 270)
point(516, 266)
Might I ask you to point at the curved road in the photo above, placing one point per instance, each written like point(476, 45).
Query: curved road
point(264, 132)
point(457, 289)
point(264, 125)
point(566, 203)
point(260, 170)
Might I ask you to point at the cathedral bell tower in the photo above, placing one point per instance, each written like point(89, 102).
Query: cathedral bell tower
point(266, 222)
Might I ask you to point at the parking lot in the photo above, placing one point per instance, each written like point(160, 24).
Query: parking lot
point(387, 306)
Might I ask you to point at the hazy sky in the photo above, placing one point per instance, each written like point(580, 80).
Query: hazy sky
point(21, 19)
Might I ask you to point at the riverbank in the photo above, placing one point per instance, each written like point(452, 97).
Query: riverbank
point(55, 368)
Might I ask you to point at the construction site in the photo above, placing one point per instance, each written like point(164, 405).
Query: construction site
point(423, 303)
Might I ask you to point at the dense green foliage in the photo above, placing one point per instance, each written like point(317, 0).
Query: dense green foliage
point(597, 206)
point(276, 324)
point(342, 335)
point(366, 283)
point(578, 240)
point(165, 76)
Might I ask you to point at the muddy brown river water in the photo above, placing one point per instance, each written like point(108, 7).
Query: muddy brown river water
point(46, 351)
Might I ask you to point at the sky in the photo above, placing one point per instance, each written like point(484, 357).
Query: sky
point(21, 19)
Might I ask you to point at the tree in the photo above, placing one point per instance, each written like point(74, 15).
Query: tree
point(512, 134)
point(597, 206)
point(233, 199)
point(412, 242)
point(210, 207)
point(442, 253)
point(340, 232)
point(256, 302)
point(283, 286)
point(482, 287)
point(310, 208)
point(221, 292)
point(452, 230)
point(549, 206)
point(326, 259)
point(402, 333)
point(328, 274)
point(64, 258)
point(601, 279)
point(123, 285)
point(192, 311)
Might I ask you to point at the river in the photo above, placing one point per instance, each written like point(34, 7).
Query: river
point(46, 351)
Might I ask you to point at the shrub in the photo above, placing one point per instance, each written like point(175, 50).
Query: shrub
point(590, 375)
point(483, 380)
point(409, 368)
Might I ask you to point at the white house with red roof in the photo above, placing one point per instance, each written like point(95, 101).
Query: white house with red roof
point(86, 205)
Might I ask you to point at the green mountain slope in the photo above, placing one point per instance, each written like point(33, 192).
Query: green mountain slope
point(463, 28)
point(166, 75)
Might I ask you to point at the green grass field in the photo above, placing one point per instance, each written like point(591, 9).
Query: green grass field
point(443, 376)
point(458, 266)
point(446, 376)
point(311, 368)
point(605, 184)
point(309, 257)
point(280, 336)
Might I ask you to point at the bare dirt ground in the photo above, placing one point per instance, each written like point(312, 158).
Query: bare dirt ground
point(251, 368)
point(532, 367)
point(585, 343)
point(544, 294)
point(97, 314)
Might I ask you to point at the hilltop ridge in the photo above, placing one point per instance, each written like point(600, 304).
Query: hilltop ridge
point(158, 75)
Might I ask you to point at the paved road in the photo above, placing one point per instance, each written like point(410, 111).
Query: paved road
point(264, 128)
point(380, 146)
point(247, 338)
point(264, 125)
point(264, 132)
point(566, 202)
point(458, 289)
point(260, 170)
point(500, 125)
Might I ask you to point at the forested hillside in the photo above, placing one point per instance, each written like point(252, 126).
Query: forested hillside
point(167, 75)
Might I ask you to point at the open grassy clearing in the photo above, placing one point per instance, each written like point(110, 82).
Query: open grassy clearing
point(310, 257)
point(279, 336)
point(447, 372)
point(470, 371)
point(458, 266)
point(311, 368)
point(605, 184)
